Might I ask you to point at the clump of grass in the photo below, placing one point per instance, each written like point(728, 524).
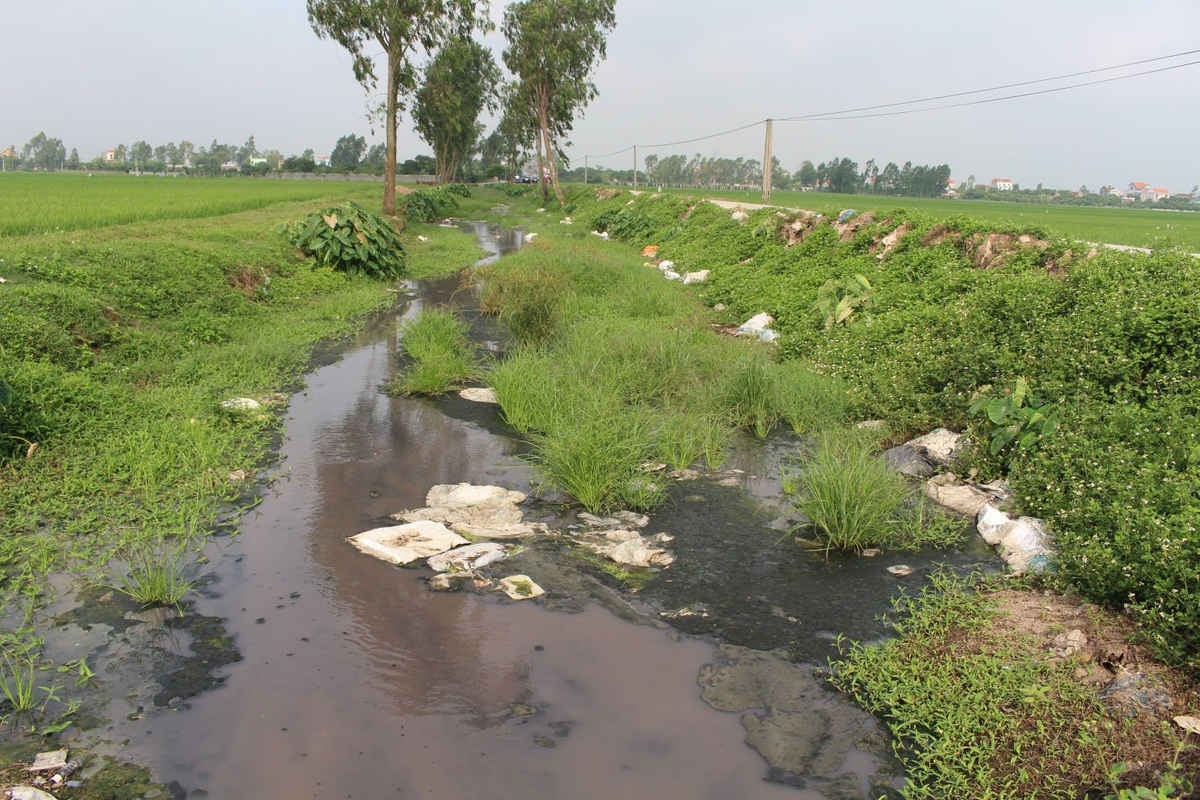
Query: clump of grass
point(156, 582)
point(978, 712)
point(528, 297)
point(851, 496)
point(17, 682)
point(442, 355)
point(749, 396)
point(596, 460)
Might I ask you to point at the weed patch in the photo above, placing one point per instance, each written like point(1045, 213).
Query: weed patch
point(442, 357)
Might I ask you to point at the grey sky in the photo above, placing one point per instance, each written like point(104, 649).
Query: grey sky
point(99, 73)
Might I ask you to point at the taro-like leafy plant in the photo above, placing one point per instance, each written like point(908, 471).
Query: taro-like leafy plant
point(837, 300)
point(1015, 415)
point(351, 239)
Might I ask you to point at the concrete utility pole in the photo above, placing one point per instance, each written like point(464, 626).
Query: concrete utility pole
point(585, 170)
point(635, 167)
point(766, 193)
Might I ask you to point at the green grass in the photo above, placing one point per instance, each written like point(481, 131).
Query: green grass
point(850, 495)
point(979, 711)
point(118, 344)
point(619, 368)
point(441, 356)
point(1132, 226)
point(60, 202)
point(154, 582)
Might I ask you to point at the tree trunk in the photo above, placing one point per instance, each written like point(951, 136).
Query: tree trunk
point(541, 165)
point(389, 161)
point(547, 143)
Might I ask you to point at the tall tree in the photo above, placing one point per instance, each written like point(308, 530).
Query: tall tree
point(552, 47)
point(459, 84)
point(347, 153)
point(400, 27)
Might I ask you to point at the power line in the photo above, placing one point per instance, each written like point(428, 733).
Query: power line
point(904, 112)
point(747, 126)
point(1002, 86)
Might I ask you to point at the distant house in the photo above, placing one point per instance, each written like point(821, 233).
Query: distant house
point(1002, 184)
point(230, 166)
point(1140, 190)
point(322, 160)
point(110, 156)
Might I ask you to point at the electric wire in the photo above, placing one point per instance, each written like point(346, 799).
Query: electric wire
point(1002, 86)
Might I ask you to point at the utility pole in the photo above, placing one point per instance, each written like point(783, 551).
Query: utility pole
point(767, 166)
point(585, 169)
point(635, 167)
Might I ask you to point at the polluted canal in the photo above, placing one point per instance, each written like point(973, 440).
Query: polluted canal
point(355, 680)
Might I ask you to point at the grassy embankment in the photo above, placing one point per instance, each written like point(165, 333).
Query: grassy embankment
point(119, 342)
point(1140, 227)
point(1107, 342)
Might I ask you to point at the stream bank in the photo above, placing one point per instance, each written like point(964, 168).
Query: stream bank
point(337, 672)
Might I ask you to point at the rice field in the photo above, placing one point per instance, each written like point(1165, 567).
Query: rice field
point(32, 203)
point(1139, 227)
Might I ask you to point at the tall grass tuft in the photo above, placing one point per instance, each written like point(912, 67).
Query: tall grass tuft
point(749, 395)
point(596, 460)
point(528, 297)
point(849, 493)
point(443, 357)
point(156, 582)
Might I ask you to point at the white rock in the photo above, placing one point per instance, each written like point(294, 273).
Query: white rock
point(946, 490)
point(617, 519)
point(241, 404)
point(671, 275)
point(566, 221)
point(696, 277)
point(759, 325)
point(991, 522)
point(900, 570)
point(28, 793)
point(460, 495)
point(1189, 724)
point(520, 587)
point(467, 558)
point(422, 238)
point(720, 307)
point(666, 264)
point(1024, 543)
point(51, 759)
point(404, 544)
point(637, 553)
point(943, 445)
point(529, 237)
point(479, 394)
point(739, 215)
point(486, 512)
point(602, 234)
point(541, 211)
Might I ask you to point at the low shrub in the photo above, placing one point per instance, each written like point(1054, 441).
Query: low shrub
point(528, 299)
point(435, 203)
point(348, 238)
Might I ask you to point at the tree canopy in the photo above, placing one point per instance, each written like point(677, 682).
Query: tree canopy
point(459, 84)
point(553, 45)
point(347, 153)
point(400, 28)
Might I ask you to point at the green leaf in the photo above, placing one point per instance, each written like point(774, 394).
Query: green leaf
point(997, 410)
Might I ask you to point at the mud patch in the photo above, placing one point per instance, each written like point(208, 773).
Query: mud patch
point(809, 736)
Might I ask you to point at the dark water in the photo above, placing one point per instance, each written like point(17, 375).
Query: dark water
point(357, 682)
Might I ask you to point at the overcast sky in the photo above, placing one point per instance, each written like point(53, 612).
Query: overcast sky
point(96, 74)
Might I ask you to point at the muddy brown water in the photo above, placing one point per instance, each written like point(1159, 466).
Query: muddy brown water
point(356, 681)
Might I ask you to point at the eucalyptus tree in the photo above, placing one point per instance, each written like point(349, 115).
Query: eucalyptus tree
point(400, 28)
point(552, 47)
point(459, 84)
